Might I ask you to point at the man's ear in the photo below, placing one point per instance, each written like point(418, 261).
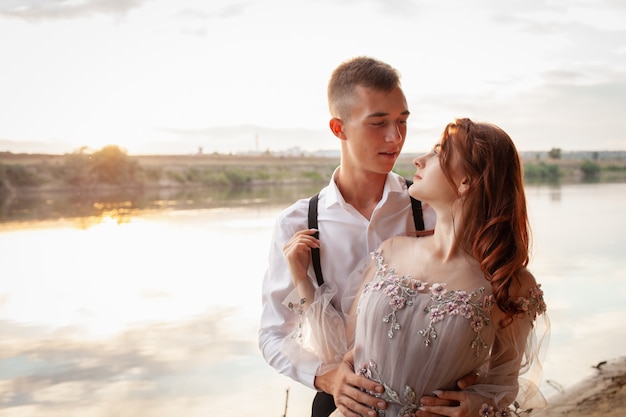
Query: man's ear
point(336, 126)
point(464, 186)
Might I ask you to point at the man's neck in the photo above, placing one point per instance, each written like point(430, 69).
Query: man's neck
point(363, 191)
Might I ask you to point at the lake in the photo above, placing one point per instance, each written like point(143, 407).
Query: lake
point(153, 310)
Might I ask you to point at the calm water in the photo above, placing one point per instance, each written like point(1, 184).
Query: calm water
point(155, 312)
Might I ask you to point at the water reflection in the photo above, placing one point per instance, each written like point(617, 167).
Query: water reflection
point(153, 316)
point(157, 369)
point(137, 310)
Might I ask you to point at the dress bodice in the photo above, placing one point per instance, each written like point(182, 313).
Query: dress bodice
point(415, 337)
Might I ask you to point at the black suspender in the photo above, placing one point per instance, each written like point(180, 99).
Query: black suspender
point(418, 218)
point(315, 252)
point(416, 205)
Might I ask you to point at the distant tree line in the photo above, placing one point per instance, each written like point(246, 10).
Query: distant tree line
point(112, 167)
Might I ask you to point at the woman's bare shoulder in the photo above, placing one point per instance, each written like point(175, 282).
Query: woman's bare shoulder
point(525, 282)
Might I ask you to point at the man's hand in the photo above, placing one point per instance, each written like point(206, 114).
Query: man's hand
point(297, 251)
point(448, 403)
point(347, 387)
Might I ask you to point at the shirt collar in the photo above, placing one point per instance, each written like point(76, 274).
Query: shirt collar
point(394, 184)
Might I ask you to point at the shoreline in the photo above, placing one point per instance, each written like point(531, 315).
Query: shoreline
point(113, 170)
point(602, 394)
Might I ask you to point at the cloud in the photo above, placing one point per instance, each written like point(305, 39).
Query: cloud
point(231, 10)
point(196, 22)
point(569, 115)
point(564, 77)
point(66, 9)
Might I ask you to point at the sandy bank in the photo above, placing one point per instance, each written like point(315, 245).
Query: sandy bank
point(603, 394)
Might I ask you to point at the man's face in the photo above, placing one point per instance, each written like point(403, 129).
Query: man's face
point(375, 130)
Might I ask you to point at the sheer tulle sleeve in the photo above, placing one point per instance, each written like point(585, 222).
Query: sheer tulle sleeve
point(326, 328)
point(319, 318)
point(511, 378)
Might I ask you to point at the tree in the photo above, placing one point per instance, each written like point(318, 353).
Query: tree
point(590, 169)
point(555, 153)
point(77, 169)
point(112, 165)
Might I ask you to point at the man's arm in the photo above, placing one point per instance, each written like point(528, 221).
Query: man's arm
point(346, 387)
point(277, 321)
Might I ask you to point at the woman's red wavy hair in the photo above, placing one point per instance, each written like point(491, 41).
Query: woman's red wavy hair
point(495, 221)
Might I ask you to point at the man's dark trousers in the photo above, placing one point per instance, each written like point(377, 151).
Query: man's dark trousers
point(323, 405)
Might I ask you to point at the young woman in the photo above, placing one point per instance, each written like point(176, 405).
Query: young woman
point(457, 300)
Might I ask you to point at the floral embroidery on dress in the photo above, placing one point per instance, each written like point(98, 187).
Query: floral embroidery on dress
point(473, 306)
point(299, 309)
point(401, 290)
point(512, 410)
point(534, 305)
point(406, 400)
point(489, 411)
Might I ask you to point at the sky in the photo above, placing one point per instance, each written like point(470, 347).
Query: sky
point(177, 76)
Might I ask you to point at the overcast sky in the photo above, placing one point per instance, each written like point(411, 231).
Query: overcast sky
point(142, 73)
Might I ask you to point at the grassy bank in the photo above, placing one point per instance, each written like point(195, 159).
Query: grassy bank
point(110, 168)
point(28, 172)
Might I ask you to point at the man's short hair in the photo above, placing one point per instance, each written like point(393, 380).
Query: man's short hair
point(359, 71)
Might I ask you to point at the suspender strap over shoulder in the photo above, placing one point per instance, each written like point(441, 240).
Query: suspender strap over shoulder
point(315, 252)
point(418, 218)
point(416, 205)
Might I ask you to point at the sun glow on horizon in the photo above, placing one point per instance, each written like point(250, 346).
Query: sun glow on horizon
point(153, 75)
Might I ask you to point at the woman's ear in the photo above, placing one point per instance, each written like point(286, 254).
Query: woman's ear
point(336, 126)
point(464, 186)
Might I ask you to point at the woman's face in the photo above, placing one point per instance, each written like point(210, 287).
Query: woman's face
point(430, 182)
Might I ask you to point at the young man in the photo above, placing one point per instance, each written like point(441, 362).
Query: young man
point(364, 204)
